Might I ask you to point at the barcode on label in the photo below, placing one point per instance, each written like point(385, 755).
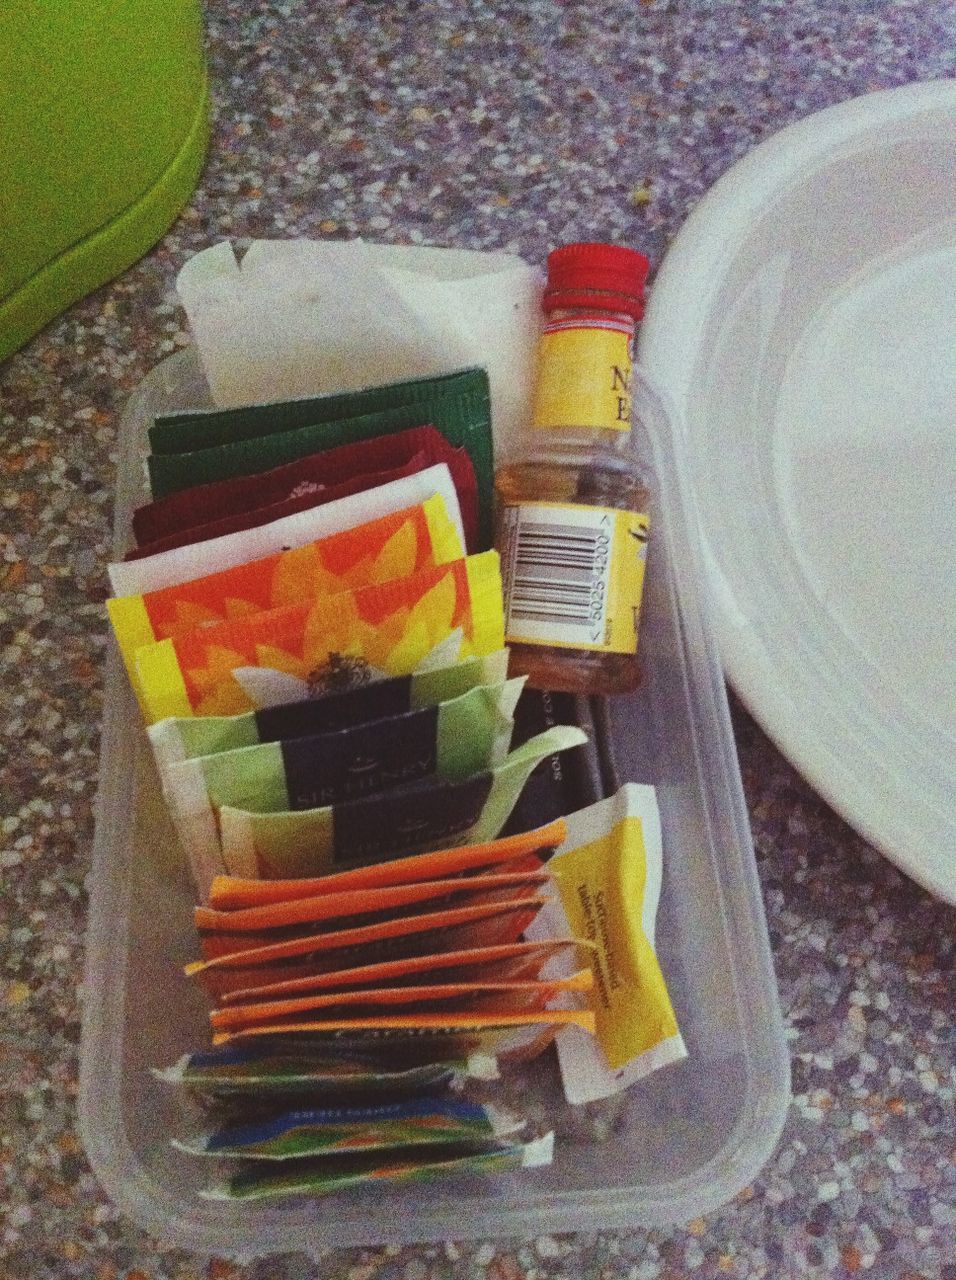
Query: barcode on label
point(557, 574)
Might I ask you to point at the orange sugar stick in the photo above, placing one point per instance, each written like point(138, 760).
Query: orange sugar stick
point(277, 1010)
point(231, 892)
point(366, 934)
point(491, 930)
point(221, 943)
point(424, 1022)
point(516, 959)
point(328, 906)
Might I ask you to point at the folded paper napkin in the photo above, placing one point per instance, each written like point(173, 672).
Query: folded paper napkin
point(302, 317)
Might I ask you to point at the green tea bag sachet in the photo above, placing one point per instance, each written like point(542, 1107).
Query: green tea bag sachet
point(268, 1070)
point(337, 1173)
point(336, 1130)
point(451, 740)
point(183, 738)
point(404, 820)
point(209, 428)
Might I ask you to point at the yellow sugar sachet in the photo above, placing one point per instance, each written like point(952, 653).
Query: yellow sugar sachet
point(608, 876)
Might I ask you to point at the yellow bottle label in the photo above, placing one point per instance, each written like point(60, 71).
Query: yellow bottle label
point(584, 374)
point(573, 575)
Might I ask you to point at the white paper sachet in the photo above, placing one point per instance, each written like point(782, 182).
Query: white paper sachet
point(183, 564)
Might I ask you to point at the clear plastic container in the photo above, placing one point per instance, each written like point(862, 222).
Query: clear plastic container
point(675, 1146)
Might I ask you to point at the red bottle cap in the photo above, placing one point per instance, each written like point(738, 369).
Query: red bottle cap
point(605, 276)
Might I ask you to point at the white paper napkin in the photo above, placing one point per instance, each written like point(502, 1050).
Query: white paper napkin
point(303, 317)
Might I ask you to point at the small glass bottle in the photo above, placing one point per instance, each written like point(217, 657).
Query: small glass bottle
point(572, 511)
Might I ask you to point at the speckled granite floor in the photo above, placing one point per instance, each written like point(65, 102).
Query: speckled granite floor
point(487, 125)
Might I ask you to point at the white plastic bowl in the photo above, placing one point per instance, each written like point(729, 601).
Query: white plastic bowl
point(803, 327)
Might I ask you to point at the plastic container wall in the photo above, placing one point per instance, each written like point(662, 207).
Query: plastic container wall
point(675, 1146)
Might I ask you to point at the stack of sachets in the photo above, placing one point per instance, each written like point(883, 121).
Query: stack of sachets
point(362, 1002)
point(333, 439)
point(353, 1010)
point(312, 623)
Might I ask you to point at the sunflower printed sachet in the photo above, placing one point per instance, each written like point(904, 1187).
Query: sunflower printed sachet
point(394, 546)
point(441, 614)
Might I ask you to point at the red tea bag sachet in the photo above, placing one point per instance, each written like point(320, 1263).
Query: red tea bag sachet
point(193, 515)
point(256, 516)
